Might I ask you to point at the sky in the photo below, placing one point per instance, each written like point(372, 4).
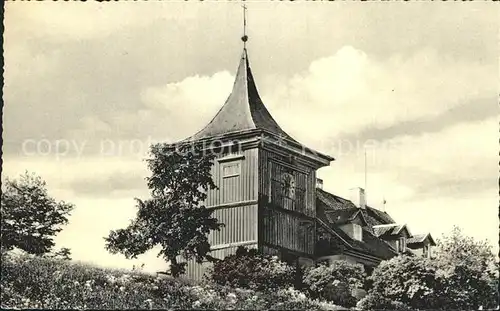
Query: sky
point(89, 86)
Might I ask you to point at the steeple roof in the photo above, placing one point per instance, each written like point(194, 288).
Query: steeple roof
point(243, 110)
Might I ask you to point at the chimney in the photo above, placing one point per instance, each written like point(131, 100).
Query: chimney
point(358, 197)
point(319, 183)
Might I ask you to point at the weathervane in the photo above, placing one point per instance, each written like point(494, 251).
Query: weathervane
point(245, 37)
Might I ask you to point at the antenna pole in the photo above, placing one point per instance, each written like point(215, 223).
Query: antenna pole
point(366, 184)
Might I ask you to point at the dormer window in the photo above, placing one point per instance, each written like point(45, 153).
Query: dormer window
point(427, 251)
point(355, 231)
point(401, 245)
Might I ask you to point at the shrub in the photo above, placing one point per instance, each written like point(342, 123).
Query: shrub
point(469, 272)
point(248, 269)
point(335, 282)
point(376, 302)
point(463, 275)
point(409, 280)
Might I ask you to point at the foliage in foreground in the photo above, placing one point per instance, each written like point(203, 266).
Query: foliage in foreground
point(462, 276)
point(410, 281)
point(36, 282)
point(251, 270)
point(173, 218)
point(335, 282)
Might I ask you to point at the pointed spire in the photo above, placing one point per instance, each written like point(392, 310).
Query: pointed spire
point(245, 113)
point(243, 109)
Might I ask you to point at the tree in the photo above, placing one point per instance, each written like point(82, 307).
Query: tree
point(174, 218)
point(30, 217)
point(469, 270)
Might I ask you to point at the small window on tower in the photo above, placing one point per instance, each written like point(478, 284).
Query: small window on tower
point(230, 169)
point(230, 185)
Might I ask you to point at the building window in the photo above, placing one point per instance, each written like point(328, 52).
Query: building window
point(231, 181)
point(401, 244)
point(427, 251)
point(231, 169)
point(357, 232)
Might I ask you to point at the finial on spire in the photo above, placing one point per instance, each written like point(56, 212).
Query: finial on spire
point(245, 37)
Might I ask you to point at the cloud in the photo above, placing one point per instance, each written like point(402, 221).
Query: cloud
point(97, 176)
point(348, 95)
point(475, 110)
point(201, 96)
point(114, 184)
point(60, 22)
point(349, 92)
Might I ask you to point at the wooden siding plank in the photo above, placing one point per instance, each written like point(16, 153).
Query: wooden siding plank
point(240, 225)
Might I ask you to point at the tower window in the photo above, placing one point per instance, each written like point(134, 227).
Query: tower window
point(230, 185)
point(231, 169)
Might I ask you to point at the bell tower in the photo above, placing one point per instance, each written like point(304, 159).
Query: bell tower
point(266, 179)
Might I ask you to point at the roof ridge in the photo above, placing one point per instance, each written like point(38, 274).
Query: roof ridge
point(387, 225)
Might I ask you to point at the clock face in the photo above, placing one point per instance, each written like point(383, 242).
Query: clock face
point(288, 181)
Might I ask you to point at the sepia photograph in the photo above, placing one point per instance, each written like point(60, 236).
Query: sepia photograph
point(250, 155)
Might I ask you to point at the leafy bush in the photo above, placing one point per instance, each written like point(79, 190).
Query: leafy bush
point(335, 282)
point(249, 269)
point(469, 272)
point(37, 282)
point(376, 302)
point(409, 280)
point(463, 275)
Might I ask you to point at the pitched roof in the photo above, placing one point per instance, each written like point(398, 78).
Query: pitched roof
point(369, 245)
point(389, 229)
point(420, 238)
point(372, 215)
point(379, 216)
point(332, 201)
point(334, 211)
point(243, 110)
point(342, 216)
point(379, 231)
